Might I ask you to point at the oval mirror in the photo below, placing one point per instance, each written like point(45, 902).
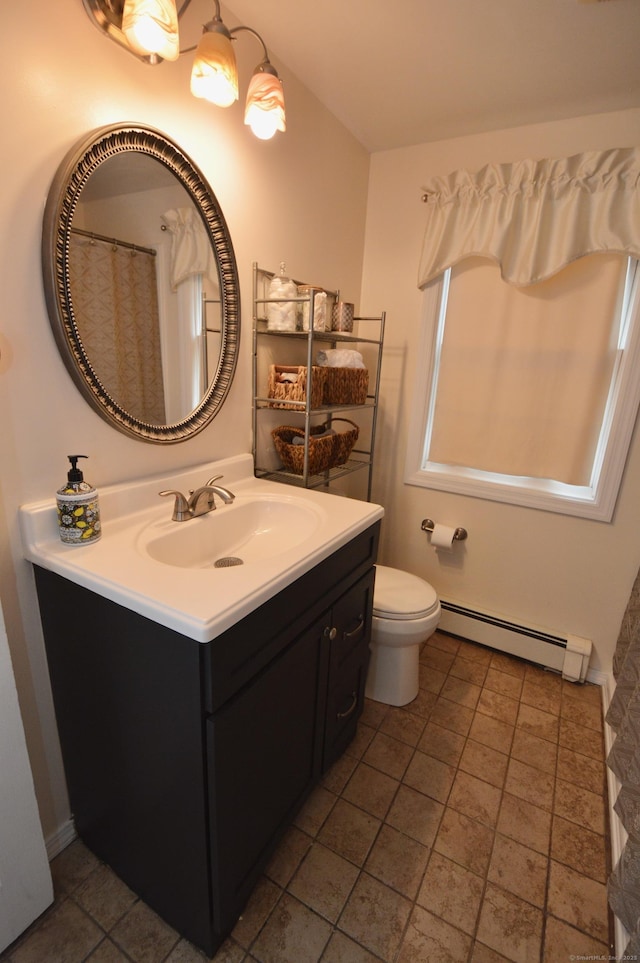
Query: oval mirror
point(141, 283)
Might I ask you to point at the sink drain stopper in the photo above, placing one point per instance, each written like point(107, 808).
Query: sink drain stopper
point(227, 562)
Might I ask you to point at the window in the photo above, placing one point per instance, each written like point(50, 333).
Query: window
point(529, 395)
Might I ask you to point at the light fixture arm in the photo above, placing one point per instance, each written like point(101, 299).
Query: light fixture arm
point(257, 36)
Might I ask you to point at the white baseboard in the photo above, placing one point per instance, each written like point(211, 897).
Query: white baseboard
point(59, 840)
point(617, 830)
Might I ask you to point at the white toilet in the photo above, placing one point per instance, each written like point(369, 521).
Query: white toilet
point(406, 612)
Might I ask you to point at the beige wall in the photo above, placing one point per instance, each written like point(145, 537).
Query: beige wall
point(300, 197)
point(534, 567)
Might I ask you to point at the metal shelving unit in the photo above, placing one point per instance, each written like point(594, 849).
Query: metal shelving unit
point(300, 347)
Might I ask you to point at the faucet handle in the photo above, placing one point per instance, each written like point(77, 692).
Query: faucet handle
point(181, 508)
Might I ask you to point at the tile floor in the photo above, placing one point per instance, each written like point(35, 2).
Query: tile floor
point(467, 827)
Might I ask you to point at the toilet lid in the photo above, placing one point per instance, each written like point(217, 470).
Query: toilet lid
point(401, 595)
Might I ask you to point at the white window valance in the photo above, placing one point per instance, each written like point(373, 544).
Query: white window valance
point(533, 216)
point(191, 251)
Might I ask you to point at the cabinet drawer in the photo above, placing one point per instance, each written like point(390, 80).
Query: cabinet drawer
point(233, 658)
point(344, 703)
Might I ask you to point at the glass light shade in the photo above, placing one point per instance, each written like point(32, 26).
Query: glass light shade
point(151, 27)
point(214, 76)
point(264, 111)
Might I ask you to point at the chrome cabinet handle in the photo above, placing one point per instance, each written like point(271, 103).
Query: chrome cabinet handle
point(351, 709)
point(358, 629)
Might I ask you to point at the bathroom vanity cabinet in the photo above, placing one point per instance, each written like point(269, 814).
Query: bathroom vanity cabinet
point(299, 348)
point(186, 761)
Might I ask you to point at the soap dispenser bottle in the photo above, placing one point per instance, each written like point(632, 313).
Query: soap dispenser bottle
point(78, 509)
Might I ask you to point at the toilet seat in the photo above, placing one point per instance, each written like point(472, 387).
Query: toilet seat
point(401, 595)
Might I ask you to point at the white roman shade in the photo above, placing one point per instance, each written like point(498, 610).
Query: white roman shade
point(533, 217)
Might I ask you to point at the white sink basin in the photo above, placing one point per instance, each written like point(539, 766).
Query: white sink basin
point(251, 529)
point(166, 570)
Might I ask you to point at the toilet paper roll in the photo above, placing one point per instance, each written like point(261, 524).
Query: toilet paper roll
point(442, 537)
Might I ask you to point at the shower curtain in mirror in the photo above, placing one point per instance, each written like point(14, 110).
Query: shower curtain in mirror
point(624, 759)
point(116, 304)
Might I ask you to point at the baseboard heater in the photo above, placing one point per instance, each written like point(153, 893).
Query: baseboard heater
point(569, 656)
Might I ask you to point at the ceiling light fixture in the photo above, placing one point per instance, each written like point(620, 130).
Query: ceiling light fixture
point(149, 30)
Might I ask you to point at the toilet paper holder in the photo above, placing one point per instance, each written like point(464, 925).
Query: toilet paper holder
point(428, 526)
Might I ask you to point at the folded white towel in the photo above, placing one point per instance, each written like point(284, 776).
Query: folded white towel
point(340, 358)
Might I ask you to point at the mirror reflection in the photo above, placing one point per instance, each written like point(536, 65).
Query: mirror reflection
point(141, 283)
point(145, 288)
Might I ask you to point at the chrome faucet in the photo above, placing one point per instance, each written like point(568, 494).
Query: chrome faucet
point(200, 502)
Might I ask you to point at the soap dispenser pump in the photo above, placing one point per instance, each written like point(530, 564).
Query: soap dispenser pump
point(78, 508)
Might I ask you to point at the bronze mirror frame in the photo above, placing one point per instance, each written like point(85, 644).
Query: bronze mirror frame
point(72, 175)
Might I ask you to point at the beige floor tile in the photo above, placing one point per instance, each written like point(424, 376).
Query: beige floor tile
point(324, 881)
point(430, 776)
point(359, 745)
point(403, 725)
point(534, 751)
point(579, 848)
point(349, 831)
point(255, 914)
point(485, 763)
point(292, 934)
point(66, 933)
point(374, 713)
point(498, 706)
point(450, 715)
point(72, 867)
point(580, 806)
point(447, 643)
point(442, 744)
point(484, 954)
point(436, 658)
point(543, 677)
point(431, 678)
point(475, 798)
point(510, 926)
point(563, 942)
point(342, 949)
point(544, 697)
point(581, 770)
point(460, 691)
point(340, 773)
point(108, 952)
point(143, 935)
point(518, 869)
point(530, 784)
point(582, 713)
point(465, 841)
point(508, 663)
point(375, 916)
point(579, 739)
point(430, 939)
point(578, 900)
point(315, 810)
point(503, 682)
point(389, 755)
point(526, 823)
point(491, 732)
point(475, 652)
point(451, 892)
point(475, 672)
point(290, 852)
point(371, 790)
point(104, 897)
point(422, 705)
point(416, 815)
point(398, 861)
point(539, 723)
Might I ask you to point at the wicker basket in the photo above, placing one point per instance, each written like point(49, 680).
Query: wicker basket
point(325, 452)
point(286, 391)
point(346, 386)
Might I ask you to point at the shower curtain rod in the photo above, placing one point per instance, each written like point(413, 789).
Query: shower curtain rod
point(114, 240)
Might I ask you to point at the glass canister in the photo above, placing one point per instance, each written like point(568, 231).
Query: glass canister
point(282, 314)
point(319, 307)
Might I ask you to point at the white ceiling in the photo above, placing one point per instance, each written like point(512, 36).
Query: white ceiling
point(414, 71)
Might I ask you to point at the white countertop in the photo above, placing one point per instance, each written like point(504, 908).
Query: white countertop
point(198, 602)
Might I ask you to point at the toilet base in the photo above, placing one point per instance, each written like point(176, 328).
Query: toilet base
point(393, 674)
